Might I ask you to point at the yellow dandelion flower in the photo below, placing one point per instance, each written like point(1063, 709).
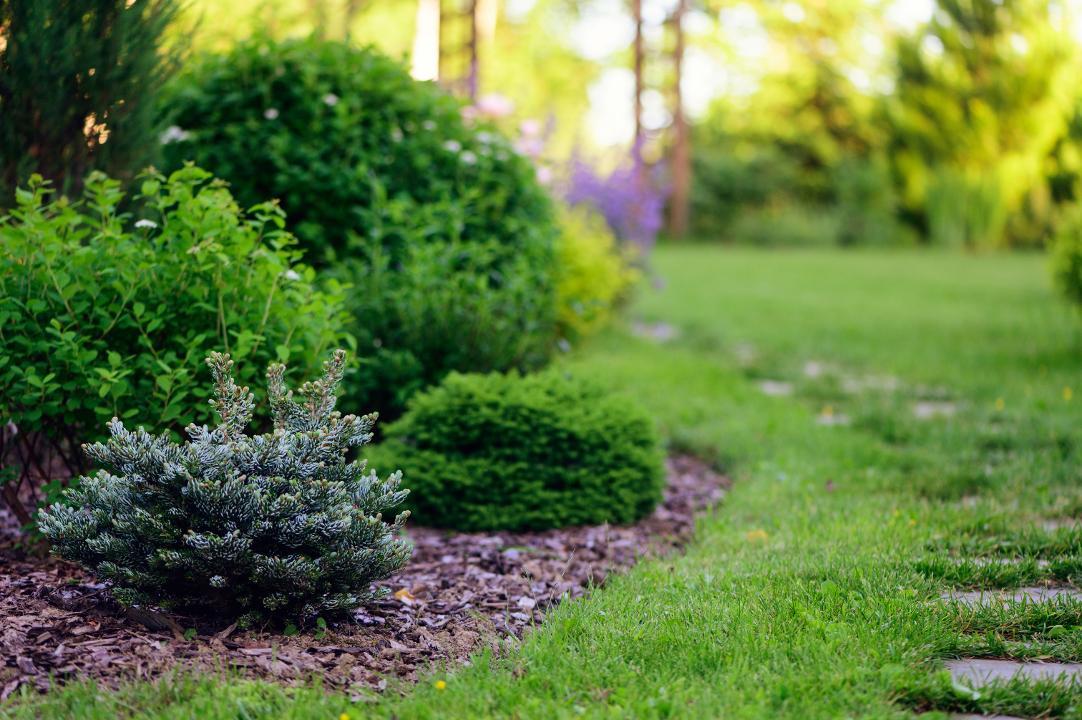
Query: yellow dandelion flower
point(828, 411)
point(1067, 393)
point(441, 685)
point(343, 716)
point(1000, 404)
point(756, 535)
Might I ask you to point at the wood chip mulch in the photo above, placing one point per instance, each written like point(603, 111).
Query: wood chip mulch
point(461, 591)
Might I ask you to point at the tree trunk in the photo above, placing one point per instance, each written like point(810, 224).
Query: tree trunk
point(681, 149)
point(636, 12)
point(425, 60)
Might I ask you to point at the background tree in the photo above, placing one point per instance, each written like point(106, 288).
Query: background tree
point(77, 87)
point(982, 96)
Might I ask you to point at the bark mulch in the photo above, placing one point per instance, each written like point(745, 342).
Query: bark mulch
point(461, 591)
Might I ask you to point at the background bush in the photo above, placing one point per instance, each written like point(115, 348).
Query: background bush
point(78, 81)
point(595, 275)
point(381, 177)
point(485, 452)
point(106, 313)
point(1067, 255)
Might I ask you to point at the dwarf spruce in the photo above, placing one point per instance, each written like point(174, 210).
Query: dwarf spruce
point(271, 526)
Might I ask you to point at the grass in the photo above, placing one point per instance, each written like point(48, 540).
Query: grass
point(812, 592)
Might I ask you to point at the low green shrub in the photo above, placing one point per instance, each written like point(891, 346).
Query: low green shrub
point(1066, 255)
point(487, 452)
point(253, 527)
point(104, 312)
point(382, 178)
point(594, 275)
point(789, 225)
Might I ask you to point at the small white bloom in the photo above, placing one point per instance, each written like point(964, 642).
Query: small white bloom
point(452, 146)
point(428, 125)
point(468, 157)
point(291, 275)
point(330, 99)
point(484, 137)
point(144, 223)
point(270, 113)
point(396, 135)
point(174, 133)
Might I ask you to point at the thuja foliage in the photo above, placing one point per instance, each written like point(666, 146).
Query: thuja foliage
point(273, 526)
point(77, 87)
point(1066, 254)
point(104, 312)
point(485, 452)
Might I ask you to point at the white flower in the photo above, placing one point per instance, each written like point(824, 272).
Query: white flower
point(428, 125)
point(396, 135)
point(270, 113)
point(291, 275)
point(174, 133)
point(452, 146)
point(144, 223)
point(468, 157)
point(485, 137)
point(330, 99)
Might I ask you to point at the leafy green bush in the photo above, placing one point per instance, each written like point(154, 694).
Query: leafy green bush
point(104, 312)
point(1066, 255)
point(485, 452)
point(594, 275)
point(381, 177)
point(278, 525)
point(78, 82)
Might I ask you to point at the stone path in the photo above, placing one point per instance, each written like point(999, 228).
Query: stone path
point(978, 672)
point(1026, 594)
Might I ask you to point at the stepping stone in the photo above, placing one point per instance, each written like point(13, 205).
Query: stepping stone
point(658, 332)
point(1059, 524)
point(776, 388)
point(882, 383)
point(973, 598)
point(930, 409)
point(979, 672)
point(829, 418)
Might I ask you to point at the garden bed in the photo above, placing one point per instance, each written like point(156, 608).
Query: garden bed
point(460, 592)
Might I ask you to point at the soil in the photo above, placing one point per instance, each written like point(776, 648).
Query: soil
point(460, 592)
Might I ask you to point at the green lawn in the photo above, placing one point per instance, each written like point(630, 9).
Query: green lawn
point(811, 592)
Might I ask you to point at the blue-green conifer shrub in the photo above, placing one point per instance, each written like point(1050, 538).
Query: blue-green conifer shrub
point(275, 526)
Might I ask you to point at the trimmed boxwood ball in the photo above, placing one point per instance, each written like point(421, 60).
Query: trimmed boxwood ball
point(507, 452)
point(441, 228)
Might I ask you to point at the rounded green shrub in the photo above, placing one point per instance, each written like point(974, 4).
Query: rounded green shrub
point(503, 451)
point(382, 178)
point(1067, 255)
point(105, 310)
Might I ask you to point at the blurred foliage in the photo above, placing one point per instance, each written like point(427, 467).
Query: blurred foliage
point(441, 227)
point(504, 452)
point(982, 96)
point(960, 134)
point(78, 82)
point(595, 275)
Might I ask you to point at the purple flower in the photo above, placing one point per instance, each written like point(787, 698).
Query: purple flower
point(631, 198)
